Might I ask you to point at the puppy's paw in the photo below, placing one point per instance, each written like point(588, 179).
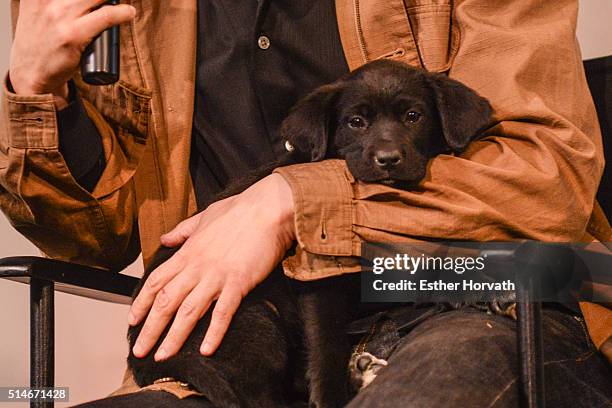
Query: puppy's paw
point(364, 368)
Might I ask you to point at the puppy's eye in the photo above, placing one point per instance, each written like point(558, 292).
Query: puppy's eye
point(412, 116)
point(357, 122)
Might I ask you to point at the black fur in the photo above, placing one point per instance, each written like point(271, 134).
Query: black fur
point(262, 350)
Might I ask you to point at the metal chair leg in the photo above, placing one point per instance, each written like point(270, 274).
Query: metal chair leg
point(41, 337)
point(531, 374)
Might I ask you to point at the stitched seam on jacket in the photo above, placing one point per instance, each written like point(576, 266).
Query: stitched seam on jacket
point(414, 40)
point(359, 29)
point(152, 130)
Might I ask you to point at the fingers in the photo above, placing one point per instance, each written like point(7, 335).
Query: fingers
point(222, 316)
point(92, 24)
point(72, 7)
point(166, 303)
point(181, 232)
point(84, 6)
point(189, 313)
point(154, 283)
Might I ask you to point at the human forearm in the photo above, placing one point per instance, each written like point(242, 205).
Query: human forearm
point(501, 188)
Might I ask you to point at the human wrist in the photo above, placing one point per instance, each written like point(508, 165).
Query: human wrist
point(288, 211)
point(283, 216)
point(26, 87)
point(61, 99)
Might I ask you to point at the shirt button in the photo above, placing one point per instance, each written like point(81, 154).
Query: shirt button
point(263, 42)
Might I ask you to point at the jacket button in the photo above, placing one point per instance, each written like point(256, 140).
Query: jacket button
point(263, 42)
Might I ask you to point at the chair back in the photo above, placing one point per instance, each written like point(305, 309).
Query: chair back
point(599, 76)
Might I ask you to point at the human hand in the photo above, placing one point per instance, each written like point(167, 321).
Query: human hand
point(227, 250)
point(49, 39)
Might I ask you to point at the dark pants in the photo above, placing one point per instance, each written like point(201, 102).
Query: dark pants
point(467, 358)
point(463, 358)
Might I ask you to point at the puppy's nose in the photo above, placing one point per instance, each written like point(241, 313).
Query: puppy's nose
point(387, 158)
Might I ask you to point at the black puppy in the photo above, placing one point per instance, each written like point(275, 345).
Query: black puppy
point(386, 120)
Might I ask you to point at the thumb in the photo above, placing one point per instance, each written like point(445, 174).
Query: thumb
point(181, 232)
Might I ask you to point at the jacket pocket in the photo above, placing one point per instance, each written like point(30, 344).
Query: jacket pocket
point(126, 107)
point(122, 114)
point(435, 35)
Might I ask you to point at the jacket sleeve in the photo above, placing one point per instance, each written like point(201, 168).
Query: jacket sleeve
point(534, 174)
point(43, 201)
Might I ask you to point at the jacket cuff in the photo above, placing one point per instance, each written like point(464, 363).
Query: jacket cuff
point(323, 202)
point(32, 121)
point(323, 196)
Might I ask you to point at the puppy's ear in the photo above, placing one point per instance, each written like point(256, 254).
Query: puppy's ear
point(307, 127)
point(463, 113)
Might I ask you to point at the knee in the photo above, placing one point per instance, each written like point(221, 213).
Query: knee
point(449, 359)
point(462, 340)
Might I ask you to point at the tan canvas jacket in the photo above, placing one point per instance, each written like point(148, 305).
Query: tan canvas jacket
point(533, 176)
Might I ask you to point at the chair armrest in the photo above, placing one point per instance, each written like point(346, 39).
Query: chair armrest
point(71, 278)
point(550, 265)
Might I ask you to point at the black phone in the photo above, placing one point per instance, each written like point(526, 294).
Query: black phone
point(100, 61)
